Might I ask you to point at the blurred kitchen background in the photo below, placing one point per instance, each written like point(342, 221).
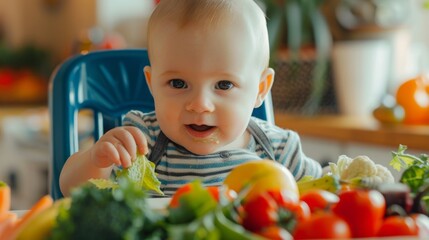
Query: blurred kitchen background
point(388, 40)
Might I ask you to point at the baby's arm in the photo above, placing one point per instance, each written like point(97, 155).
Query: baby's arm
point(119, 146)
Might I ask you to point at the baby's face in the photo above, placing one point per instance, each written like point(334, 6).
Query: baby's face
point(205, 85)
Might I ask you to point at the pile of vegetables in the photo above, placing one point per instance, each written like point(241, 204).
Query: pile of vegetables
point(13, 226)
point(357, 199)
point(105, 214)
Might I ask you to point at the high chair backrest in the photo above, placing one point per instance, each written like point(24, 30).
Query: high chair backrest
point(109, 83)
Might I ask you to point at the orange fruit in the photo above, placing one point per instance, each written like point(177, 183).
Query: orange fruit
point(413, 96)
point(261, 176)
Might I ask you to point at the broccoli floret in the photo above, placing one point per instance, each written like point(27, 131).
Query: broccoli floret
point(121, 213)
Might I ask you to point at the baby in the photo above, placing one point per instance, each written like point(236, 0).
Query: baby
point(209, 70)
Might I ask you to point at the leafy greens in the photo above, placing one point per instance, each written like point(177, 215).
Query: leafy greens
point(416, 168)
point(142, 172)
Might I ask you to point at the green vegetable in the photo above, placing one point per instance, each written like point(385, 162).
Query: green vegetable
point(200, 228)
point(142, 172)
point(231, 230)
point(194, 204)
point(120, 213)
point(416, 169)
point(200, 216)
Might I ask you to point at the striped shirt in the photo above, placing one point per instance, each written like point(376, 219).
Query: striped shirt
point(178, 166)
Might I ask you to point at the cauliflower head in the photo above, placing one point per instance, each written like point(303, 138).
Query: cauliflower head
point(361, 170)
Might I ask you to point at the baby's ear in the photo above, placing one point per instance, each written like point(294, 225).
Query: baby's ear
point(265, 84)
point(148, 76)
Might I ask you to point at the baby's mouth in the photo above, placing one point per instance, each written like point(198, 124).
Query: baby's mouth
point(203, 133)
point(200, 128)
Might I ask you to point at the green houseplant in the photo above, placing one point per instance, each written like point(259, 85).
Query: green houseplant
point(295, 25)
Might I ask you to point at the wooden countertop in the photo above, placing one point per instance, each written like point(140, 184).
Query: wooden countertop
point(356, 129)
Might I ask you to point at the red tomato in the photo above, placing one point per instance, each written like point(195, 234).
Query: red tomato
point(289, 201)
point(319, 199)
point(398, 226)
point(284, 198)
point(274, 232)
point(322, 225)
point(302, 211)
point(363, 210)
point(259, 212)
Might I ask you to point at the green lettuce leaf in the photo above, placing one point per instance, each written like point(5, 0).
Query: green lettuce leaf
point(142, 172)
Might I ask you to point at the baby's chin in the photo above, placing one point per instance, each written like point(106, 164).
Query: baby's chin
point(204, 147)
point(209, 140)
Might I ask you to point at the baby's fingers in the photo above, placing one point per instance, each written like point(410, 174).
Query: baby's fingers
point(139, 139)
point(124, 155)
point(105, 154)
point(124, 145)
point(132, 141)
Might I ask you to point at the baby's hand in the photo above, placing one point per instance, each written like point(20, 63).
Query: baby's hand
point(119, 146)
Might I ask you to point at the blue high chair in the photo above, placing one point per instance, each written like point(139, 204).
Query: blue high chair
point(109, 83)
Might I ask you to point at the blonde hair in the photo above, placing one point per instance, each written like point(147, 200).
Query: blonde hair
point(207, 14)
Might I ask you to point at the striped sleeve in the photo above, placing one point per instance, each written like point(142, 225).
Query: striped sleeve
point(293, 157)
point(288, 151)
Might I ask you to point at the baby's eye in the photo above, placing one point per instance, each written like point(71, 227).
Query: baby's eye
point(224, 85)
point(178, 83)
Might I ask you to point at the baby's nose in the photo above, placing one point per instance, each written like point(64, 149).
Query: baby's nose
point(200, 103)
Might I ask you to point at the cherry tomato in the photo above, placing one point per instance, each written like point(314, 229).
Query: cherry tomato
point(362, 209)
point(413, 96)
point(259, 212)
point(322, 225)
point(398, 226)
point(302, 211)
point(274, 232)
point(284, 198)
point(289, 201)
point(319, 199)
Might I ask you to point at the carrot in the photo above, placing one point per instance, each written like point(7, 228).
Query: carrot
point(5, 197)
point(7, 220)
point(43, 203)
